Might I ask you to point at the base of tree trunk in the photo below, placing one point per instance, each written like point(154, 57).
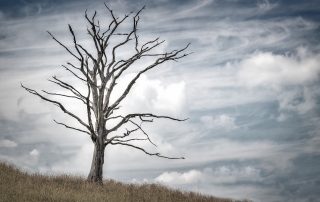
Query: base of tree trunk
point(96, 171)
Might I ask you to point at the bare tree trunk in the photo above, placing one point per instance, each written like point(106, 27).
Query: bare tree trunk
point(96, 171)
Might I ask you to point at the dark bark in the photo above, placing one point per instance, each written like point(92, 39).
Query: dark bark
point(96, 171)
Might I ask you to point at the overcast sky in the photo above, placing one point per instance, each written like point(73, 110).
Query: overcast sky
point(250, 90)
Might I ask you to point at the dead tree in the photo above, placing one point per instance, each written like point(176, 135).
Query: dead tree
point(100, 72)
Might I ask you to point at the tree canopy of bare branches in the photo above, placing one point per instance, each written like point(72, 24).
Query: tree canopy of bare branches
point(100, 72)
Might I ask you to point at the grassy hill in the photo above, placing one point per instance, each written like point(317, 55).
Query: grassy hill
point(19, 186)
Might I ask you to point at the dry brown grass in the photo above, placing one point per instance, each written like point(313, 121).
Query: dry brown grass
point(19, 186)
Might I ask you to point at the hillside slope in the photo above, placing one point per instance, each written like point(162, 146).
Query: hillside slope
point(19, 186)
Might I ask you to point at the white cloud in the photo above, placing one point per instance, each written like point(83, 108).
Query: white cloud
point(265, 5)
point(225, 180)
point(218, 175)
point(154, 95)
point(224, 122)
point(34, 153)
point(194, 8)
point(7, 143)
point(257, 77)
point(172, 178)
point(299, 100)
point(291, 78)
point(265, 69)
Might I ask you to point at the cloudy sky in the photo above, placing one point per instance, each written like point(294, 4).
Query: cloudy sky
point(250, 91)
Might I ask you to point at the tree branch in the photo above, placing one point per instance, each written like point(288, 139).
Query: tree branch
point(70, 127)
point(66, 86)
point(57, 104)
point(127, 118)
point(64, 46)
point(72, 72)
point(63, 95)
point(140, 128)
point(141, 149)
